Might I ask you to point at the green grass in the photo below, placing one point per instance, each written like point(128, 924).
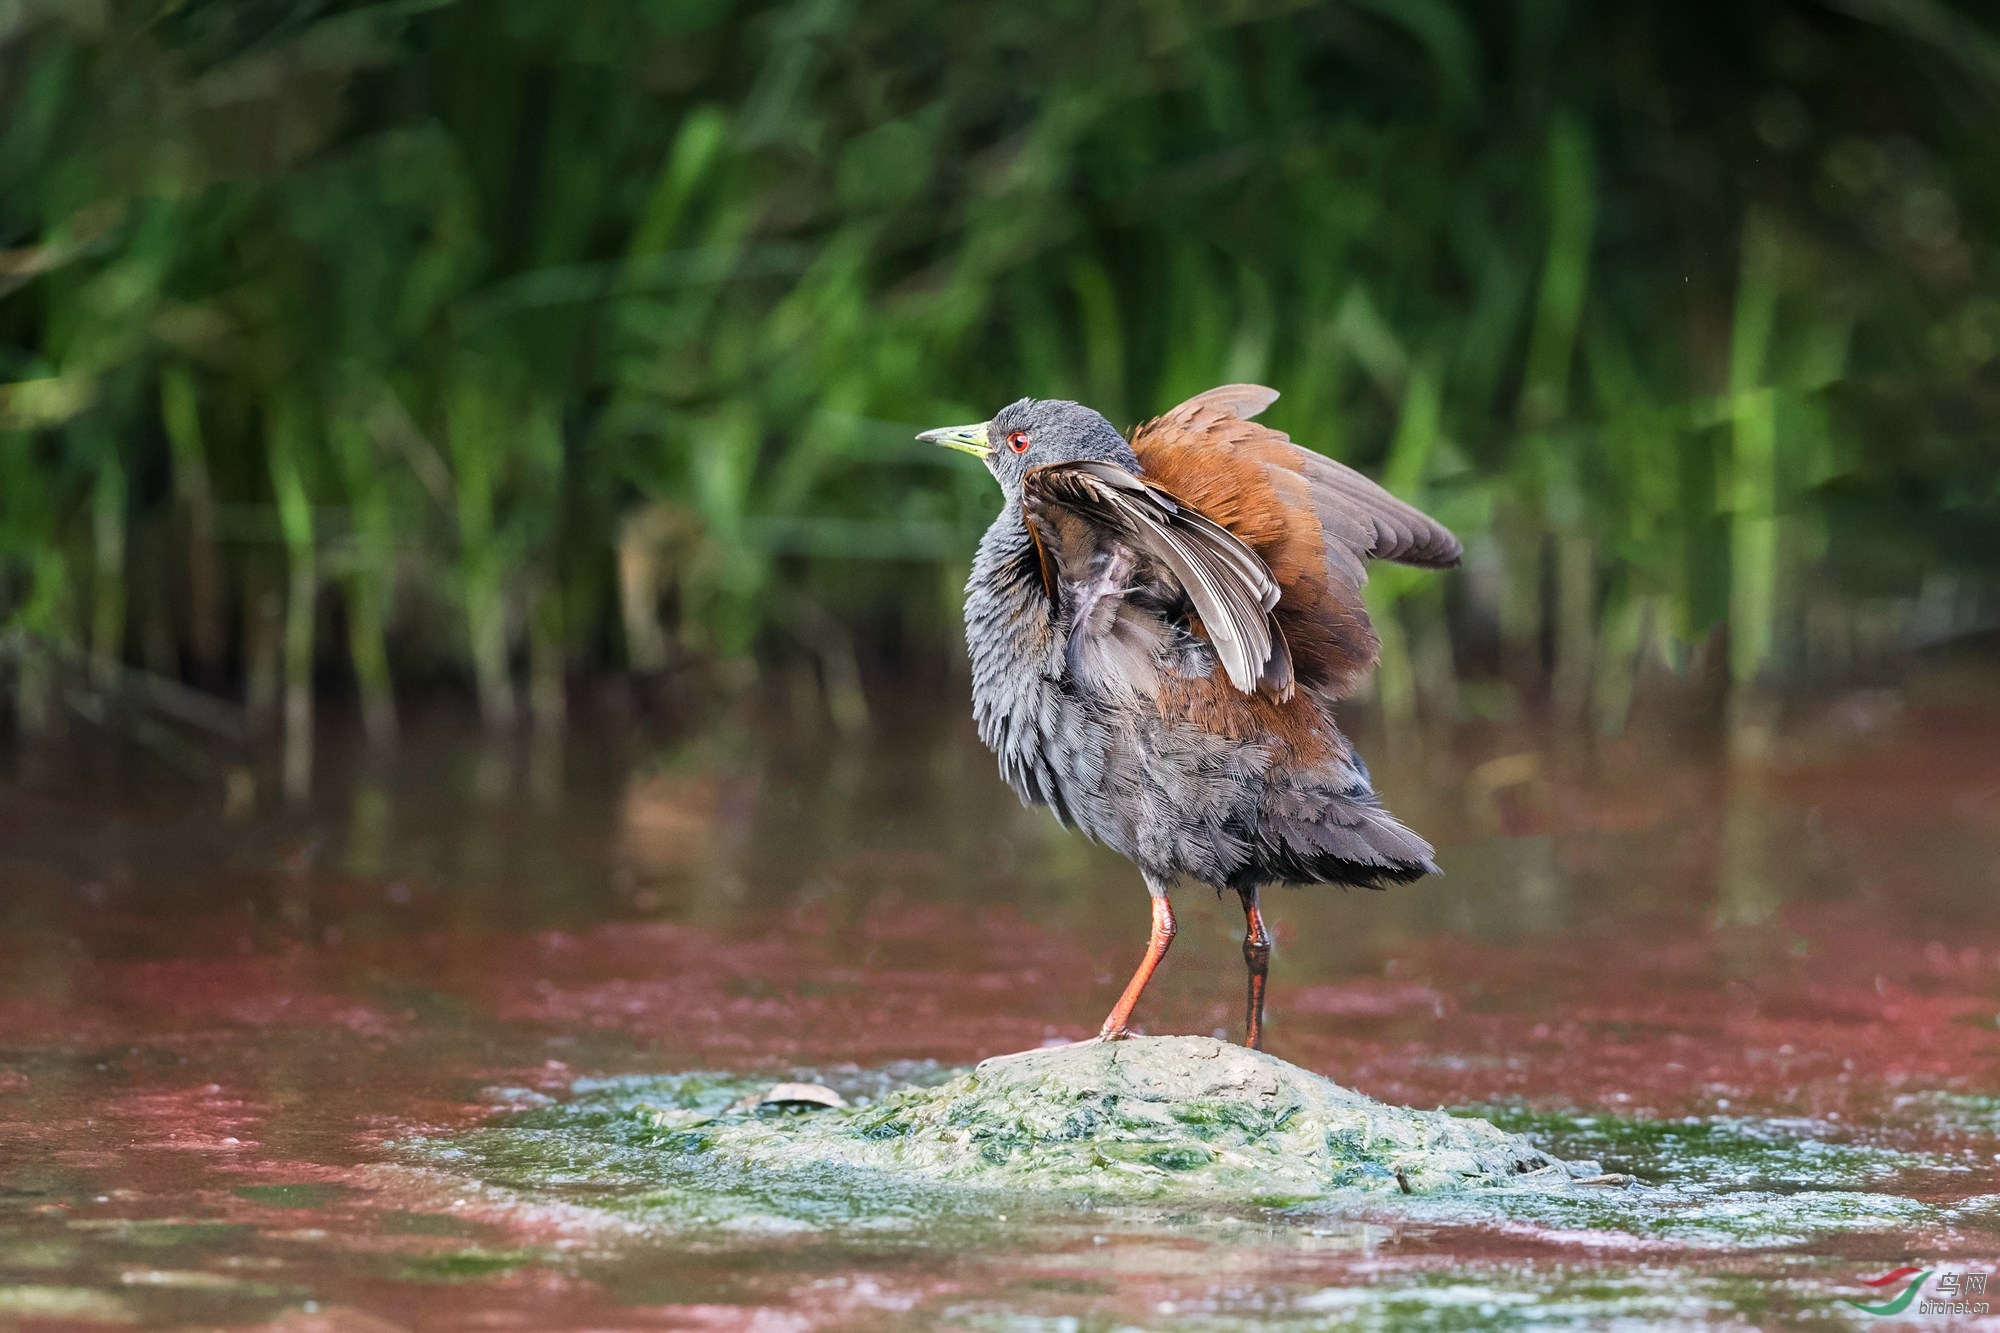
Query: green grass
point(359, 345)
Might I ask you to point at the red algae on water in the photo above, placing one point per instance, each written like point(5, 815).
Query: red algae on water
point(216, 1040)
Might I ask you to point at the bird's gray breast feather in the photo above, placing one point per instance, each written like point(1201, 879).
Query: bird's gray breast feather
point(1049, 746)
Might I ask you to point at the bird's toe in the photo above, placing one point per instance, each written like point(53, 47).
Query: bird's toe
point(1043, 1050)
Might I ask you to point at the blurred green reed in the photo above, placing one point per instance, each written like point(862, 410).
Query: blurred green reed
point(367, 345)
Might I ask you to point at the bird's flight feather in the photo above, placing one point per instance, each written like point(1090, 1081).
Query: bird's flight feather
point(1231, 588)
point(1269, 541)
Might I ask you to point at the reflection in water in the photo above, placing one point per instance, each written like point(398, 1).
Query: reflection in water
point(1748, 891)
point(216, 1026)
point(667, 830)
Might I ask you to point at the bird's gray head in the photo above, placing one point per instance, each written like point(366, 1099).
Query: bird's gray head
point(1034, 432)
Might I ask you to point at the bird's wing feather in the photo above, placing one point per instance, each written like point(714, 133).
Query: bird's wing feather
point(1367, 520)
point(1242, 401)
point(1230, 587)
point(1314, 521)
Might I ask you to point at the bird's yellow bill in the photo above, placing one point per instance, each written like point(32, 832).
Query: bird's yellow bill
point(965, 439)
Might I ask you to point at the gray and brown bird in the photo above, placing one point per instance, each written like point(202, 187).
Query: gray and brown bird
point(1159, 627)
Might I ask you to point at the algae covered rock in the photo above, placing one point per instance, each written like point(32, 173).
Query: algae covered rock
point(1143, 1118)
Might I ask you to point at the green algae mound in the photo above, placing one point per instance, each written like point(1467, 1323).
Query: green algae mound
point(1145, 1118)
point(1181, 1132)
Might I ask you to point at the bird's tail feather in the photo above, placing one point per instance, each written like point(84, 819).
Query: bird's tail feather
point(1347, 838)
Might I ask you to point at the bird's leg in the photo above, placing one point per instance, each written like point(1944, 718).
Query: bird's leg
point(1157, 944)
point(1257, 955)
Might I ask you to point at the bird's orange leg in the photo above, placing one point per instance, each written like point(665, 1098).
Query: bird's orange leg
point(1157, 944)
point(1257, 956)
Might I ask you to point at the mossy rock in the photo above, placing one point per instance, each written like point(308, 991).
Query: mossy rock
point(1150, 1117)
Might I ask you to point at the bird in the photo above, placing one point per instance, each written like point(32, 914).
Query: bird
point(1159, 626)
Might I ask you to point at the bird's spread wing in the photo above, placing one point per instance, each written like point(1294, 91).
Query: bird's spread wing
point(1231, 589)
point(1314, 522)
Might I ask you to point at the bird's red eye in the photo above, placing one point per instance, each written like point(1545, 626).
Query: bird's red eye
point(1017, 440)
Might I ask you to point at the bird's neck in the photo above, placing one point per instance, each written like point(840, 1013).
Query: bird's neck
point(1011, 638)
point(1006, 562)
point(1009, 620)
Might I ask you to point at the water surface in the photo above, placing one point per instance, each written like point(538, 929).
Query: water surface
point(362, 1064)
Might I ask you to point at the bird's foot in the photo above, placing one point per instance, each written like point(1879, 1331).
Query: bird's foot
point(1099, 1039)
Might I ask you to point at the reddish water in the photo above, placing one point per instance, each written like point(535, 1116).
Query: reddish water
point(216, 1031)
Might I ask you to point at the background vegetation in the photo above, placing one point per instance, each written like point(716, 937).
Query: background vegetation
point(361, 347)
